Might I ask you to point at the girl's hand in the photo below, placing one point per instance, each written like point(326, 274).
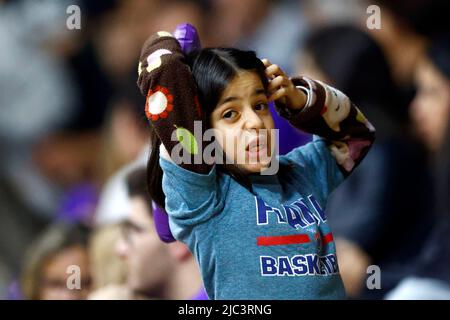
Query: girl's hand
point(281, 87)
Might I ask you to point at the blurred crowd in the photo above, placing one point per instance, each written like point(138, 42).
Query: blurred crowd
point(74, 141)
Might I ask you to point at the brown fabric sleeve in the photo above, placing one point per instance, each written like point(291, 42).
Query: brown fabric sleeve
point(172, 106)
point(330, 114)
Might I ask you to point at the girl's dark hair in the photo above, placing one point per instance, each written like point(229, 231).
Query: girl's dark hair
point(212, 69)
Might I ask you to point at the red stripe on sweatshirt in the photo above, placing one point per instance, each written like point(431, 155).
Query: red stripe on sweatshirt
point(283, 240)
point(327, 238)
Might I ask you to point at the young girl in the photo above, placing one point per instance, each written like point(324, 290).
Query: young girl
point(254, 235)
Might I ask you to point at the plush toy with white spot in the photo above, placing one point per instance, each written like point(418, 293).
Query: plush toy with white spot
point(172, 102)
point(166, 81)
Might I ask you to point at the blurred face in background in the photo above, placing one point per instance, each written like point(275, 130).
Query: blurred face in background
point(56, 275)
point(430, 109)
point(147, 257)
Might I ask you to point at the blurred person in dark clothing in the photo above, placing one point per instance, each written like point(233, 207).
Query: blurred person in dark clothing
point(46, 270)
point(378, 213)
point(124, 133)
point(406, 29)
point(430, 112)
point(430, 109)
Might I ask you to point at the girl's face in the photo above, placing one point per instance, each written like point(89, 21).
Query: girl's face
point(244, 124)
point(430, 109)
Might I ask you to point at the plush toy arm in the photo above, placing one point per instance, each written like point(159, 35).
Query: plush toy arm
point(172, 105)
point(188, 39)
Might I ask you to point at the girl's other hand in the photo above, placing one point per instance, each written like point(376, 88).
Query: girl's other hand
point(282, 89)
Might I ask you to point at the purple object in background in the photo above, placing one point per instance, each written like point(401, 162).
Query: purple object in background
point(161, 220)
point(289, 137)
point(201, 295)
point(14, 292)
point(187, 36)
point(78, 204)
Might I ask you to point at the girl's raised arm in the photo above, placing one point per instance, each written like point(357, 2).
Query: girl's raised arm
point(322, 110)
point(330, 114)
point(172, 105)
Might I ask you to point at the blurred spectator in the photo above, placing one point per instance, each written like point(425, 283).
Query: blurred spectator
point(232, 20)
point(320, 13)
point(430, 111)
point(64, 155)
point(125, 147)
point(371, 213)
point(106, 267)
point(257, 25)
point(125, 132)
point(425, 17)
point(120, 33)
point(156, 270)
point(46, 273)
point(114, 201)
point(406, 27)
point(66, 158)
